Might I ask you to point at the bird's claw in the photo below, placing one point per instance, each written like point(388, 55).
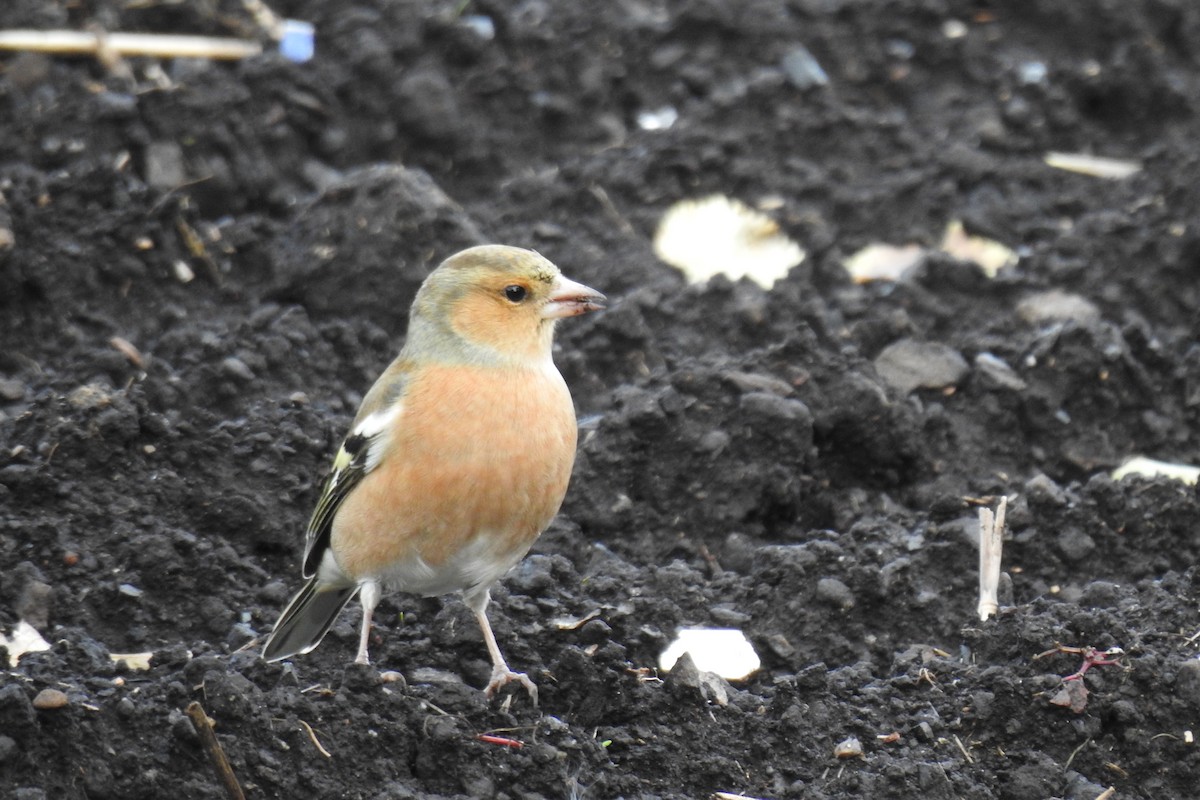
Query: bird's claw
point(502, 677)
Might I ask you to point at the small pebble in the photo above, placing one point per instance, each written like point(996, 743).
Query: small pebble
point(1072, 695)
point(657, 119)
point(724, 614)
point(50, 698)
point(89, 397)
point(1043, 491)
point(835, 593)
point(900, 48)
point(35, 603)
point(1075, 544)
point(908, 364)
point(849, 748)
point(164, 165)
point(183, 273)
point(757, 382)
point(802, 69)
point(235, 368)
point(1057, 306)
point(116, 105)
point(954, 29)
point(714, 441)
point(996, 372)
point(549, 231)
point(780, 646)
point(595, 631)
point(11, 389)
point(481, 25)
point(544, 754)
point(1031, 72)
point(436, 677)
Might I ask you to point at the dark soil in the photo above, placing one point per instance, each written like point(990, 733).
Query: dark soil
point(742, 462)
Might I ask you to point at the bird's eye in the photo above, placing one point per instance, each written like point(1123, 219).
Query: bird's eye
point(515, 293)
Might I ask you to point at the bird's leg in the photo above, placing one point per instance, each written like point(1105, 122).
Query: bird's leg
point(369, 596)
point(501, 674)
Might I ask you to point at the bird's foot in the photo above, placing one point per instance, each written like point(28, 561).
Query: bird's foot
point(502, 676)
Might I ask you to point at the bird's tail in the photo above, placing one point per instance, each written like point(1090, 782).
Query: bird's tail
point(307, 619)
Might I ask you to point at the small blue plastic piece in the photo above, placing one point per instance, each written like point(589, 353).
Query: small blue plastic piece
point(297, 44)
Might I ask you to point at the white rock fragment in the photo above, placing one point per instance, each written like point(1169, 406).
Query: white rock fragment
point(1032, 72)
point(481, 25)
point(1149, 468)
point(883, 262)
point(991, 256)
point(802, 69)
point(721, 236)
point(134, 661)
point(657, 119)
point(183, 273)
point(887, 262)
point(954, 29)
point(724, 651)
point(23, 639)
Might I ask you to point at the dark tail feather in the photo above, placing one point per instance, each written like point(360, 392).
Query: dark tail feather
point(306, 620)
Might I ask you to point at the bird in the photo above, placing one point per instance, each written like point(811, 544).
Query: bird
point(458, 458)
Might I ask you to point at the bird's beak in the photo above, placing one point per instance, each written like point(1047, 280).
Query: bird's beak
point(570, 299)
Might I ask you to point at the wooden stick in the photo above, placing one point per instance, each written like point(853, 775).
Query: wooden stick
point(208, 738)
point(1095, 166)
point(267, 19)
point(129, 44)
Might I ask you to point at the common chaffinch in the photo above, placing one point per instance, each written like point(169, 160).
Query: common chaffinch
point(458, 458)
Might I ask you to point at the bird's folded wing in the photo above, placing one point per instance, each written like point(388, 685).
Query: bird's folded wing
point(349, 467)
point(359, 454)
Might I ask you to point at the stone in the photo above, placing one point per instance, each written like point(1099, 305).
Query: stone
point(908, 365)
point(48, 699)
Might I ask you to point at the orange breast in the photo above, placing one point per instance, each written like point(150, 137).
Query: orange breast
point(476, 451)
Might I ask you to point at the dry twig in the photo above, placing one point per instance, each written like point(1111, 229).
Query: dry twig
point(129, 44)
point(316, 742)
point(216, 754)
point(991, 543)
point(962, 748)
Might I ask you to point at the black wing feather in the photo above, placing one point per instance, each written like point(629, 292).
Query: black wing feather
point(340, 481)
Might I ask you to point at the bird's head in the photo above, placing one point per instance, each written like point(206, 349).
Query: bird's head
point(500, 299)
